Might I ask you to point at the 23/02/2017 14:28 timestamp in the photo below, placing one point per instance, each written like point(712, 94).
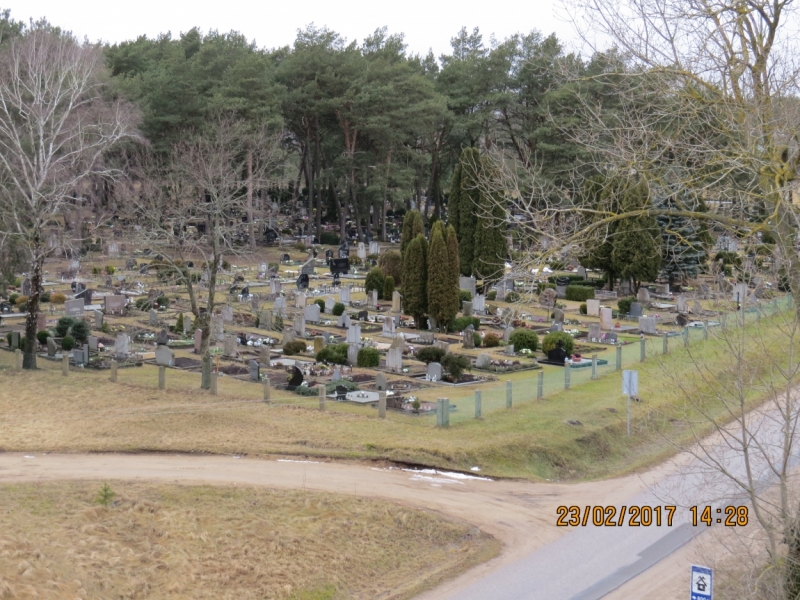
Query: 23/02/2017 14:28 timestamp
point(644, 516)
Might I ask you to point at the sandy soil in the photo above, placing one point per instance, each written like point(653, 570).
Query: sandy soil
point(520, 514)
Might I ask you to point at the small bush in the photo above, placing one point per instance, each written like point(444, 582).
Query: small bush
point(338, 309)
point(355, 261)
point(624, 305)
point(728, 258)
point(105, 495)
point(58, 298)
point(492, 296)
point(80, 331)
point(329, 238)
point(63, 325)
point(478, 339)
point(162, 302)
point(579, 293)
point(491, 341)
point(374, 280)
point(42, 337)
point(105, 328)
point(293, 348)
point(430, 355)
point(21, 300)
point(388, 287)
point(369, 357)
point(524, 339)
point(44, 297)
point(583, 309)
point(300, 246)
point(68, 343)
point(461, 323)
point(464, 296)
point(321, 303)
point(455, 365)
point(96, 271)
point(110, 269)
point(179, 323)
point(550, 341)
point(391, 263)
point(334, 354)
point(512, 297)
point(13, 298)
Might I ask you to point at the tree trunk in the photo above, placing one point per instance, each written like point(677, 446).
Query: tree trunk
point(318, 220)
point(29, 358)
point(205, 382)
point(251, 226)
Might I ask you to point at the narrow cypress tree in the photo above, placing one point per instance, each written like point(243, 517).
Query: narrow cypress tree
point(415, 278)
point(491, 247)
point(683, 241)
point(637, 241)
point(453, 272)
point(439, 280)
point(468, 206)
point(412, 226)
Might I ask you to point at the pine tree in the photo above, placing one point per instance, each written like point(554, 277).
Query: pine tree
point(453, 272)
point(439, 279)
point(415, 278)
point(637, 241)
point(491, 247)
point(454, 198)
point(683, 240)
point(468, 205)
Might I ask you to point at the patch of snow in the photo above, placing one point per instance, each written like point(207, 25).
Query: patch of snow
point(313, 462)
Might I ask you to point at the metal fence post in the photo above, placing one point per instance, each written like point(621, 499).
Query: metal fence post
point(162, 377)
point(322, 392)
point(382, 404)
point(540, 385)
point(267, 391)
point(619, 358)
point(509, 394)
point(685, 337)
point(705, 329)
point(18, 360)
point(442, 412)
point(113, 371)
point(213, 384)
point(478, 404)
point(642, 347)
point(666, 344)
point(65, 364)
point(594, 366)
point(566, 374)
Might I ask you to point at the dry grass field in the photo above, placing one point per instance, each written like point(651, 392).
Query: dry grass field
point(171, 541)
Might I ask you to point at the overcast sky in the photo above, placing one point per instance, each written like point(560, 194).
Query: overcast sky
point(428, 24)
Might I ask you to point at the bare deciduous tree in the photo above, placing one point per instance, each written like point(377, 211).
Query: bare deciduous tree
point(56, 123)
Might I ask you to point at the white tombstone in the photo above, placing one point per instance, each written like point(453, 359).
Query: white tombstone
point(389, 328)
point(121, 345)
point(300, 300)
point(434, 371)
point(329, 304)
point(593, 307)
point(739, 293)
point(394, 359)
point(594, 332)
point(467, 283)
point(164, 356)
point(344, 295)
point(280, 306)
point(479, 303)
point(681, 305)
point(647, 325)
point(288, 334)
point(229, 346)
point(344, 320)
point(396, 304)
point(275, 286)
point(311, 313)
point(372, 299)
point(299, 325)
point(643, 296)
point(484, 361)
point(606, 319)
point(227, 313)
point(352, 354)
point(354, 334)
point(361, 251)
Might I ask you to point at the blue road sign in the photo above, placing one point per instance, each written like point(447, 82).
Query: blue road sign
point(702, 583)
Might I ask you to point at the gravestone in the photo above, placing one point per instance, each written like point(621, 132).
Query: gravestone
point(432, 324)
point(302, 282)
point(561, 291)
point(682, 320)
point(363, 315)
point(611, 337)
point(86, 295)
point(280, 306)
point(647, 325)
point(163, 338)
point(510, 350)
point(308, 267)
point(41, 322)
point(198, 338)
point(217, 328)
point(15, 339)
point(130, 264)
point(227, 314)
point(114, 304)
point(74, 308)
point(380, 382)
point(329, 304)
point(394, 360)
point(336, 280)
point(443, 345)
point(164, 357)
point(288, 334)
point(484, 361)
point(26, 287)
point(662, 289)
point(187, 324)
point(296, 379)
point(255, 371)
point(739, 293)
point(264, 355)
point(468, 337)
point(389, 328)
point(344, 321)
point(625, 287)
point(643, 296)
point(121, 344)
point(153, 317)
point(396, 301)
point(636, 309)
point(466, 308)
point(372, 299)
point(594, 332)
point(344, 295)
point(548, 297)
point(479, 303)
point(98, 320)
point(705, 290)
point(93, 342)
point(229, 346)
point(434, 371)
point(606, 319)
point(352, 354)
point(285, 258)
point(697, 308)
point(425, 337)
point(507, 334)
point(558, 315)
point(681, 305)
point(299, 325)
point(582, 272)
point(354, 334)
point(300, 301)
point(361, 251)
point(319, 343)
point(556, 327)
point(328, 256)
point(593, 307)
point(78, 356)
point(468, 284)
point(339, 266)
point(374, 248)
point(275, 286)
point(51, 347)
point(311, 313)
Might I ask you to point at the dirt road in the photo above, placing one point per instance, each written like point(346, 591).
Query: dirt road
point(520, 514)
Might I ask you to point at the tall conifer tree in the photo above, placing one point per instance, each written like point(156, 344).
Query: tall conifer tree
point(415, 278)
point(454, 271)
point(439, 280)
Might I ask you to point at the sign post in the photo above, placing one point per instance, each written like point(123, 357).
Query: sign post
point(630, 387)
point(702, 583)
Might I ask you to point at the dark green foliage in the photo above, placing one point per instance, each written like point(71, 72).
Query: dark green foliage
point(637, 240)
point(579, 293)
point(478, 340)
point(492, 296)
point(369, 357)
point(415, 278)
point(469, 201)
point(63, 324)
point(439, 281)
point(12, 298)
point(624, 305)
point(583, 309)
point(490, 245)
point(728, 258)
point(453, 271)
point(294, 348)
point(321, 303)
point(461, 323)
point(333, 354)
point(42, 336)
point(81, 331)
point(329, 238)
point(524, 339)
point(430, 354)
point(162, 302)
point(338, 309)
point(143, 304)
point(550, 341)
point(464, 296)
point(412, 227)
point(490, 340)
point(455, 365)
point(454, 198)
point(388, 287)
point(179, 323)
point(391, 263)
point(68, 343)
point(683, 240)
point(374, 280)
point(45, 297)
point(512, 297)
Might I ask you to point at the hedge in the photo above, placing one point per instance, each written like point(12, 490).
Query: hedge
point(293, 348)
point(334, 353)
point(624, 305)
point(461, 323)
point(579, 293)
point(524, 339)
point(430, 354)
point(550, 341)
point(369, 357)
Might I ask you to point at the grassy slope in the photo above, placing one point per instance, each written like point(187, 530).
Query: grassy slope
point(44, 410)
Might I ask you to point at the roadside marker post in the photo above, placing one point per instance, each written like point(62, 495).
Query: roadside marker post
point(702, 583)
point(630, 387)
